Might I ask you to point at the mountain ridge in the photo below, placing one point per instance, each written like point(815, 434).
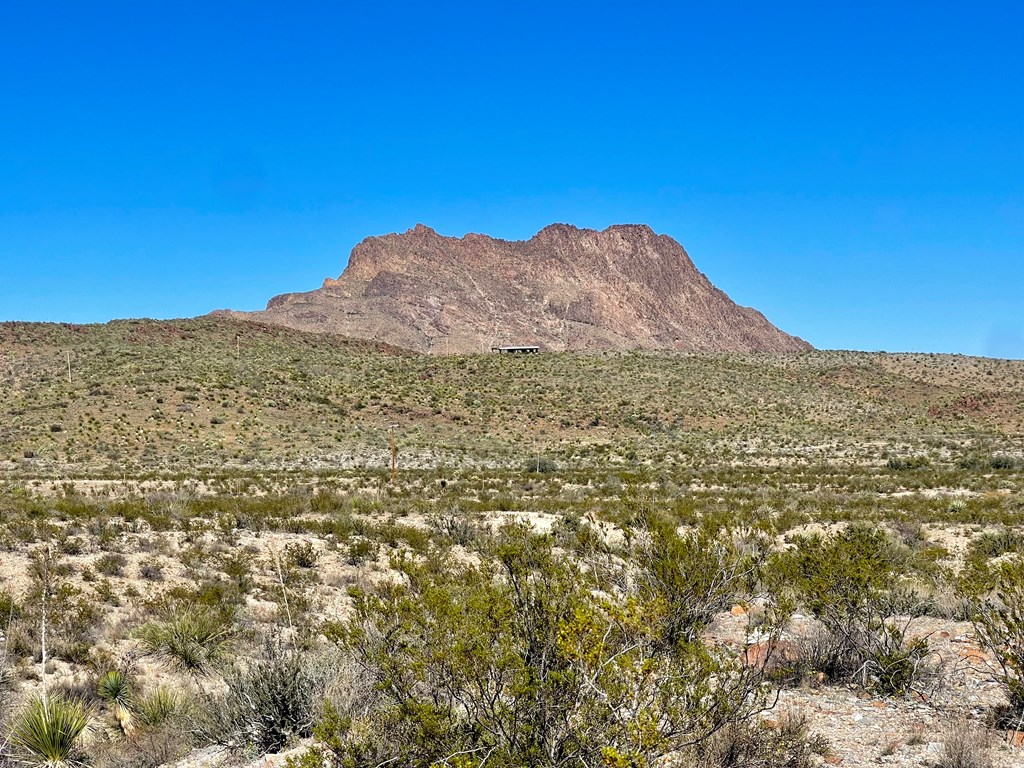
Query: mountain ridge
point(566, 288)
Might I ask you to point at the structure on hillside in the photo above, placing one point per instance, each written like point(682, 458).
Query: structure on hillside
point(516, 350)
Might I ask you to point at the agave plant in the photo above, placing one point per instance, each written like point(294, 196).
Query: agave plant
point(48, 732)
point(115, 689)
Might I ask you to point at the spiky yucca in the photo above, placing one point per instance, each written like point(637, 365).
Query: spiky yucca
point(116, 690)
point(48, 732)
point(193, 638)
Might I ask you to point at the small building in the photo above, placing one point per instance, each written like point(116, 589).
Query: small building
point(516, 350)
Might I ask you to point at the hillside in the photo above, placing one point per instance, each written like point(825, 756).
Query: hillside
point(217, 392)
point(564, 289)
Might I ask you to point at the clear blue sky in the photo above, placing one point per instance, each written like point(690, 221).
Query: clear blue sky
point(855, 170)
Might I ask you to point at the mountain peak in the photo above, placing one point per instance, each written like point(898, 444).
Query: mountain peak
point(566, 288)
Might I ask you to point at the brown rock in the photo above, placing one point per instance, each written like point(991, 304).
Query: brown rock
point(974, 655)
point(1015, 738)
point(769, 655)
point(564, 289)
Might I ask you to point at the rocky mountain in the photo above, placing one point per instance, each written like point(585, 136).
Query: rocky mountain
point(563, 289)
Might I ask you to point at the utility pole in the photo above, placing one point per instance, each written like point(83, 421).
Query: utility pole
point(69, 365)
point(394, 455)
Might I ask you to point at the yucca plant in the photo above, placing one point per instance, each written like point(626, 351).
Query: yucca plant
point(158, 706)
point(193, 638)
point(48, 732)
point(115, 689)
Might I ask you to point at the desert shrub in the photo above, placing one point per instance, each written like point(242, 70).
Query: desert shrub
point(158, 707)
point(71, 545)
point(237, 566)
point(990, 462)
point(999, 626)
point(980, 575)
point(269, 702)
point(518, 661)
point(901, 463)
point(194, 638)
point(788, 743)
point(850, 581)
point(159, 735)
point(965, 745)
point(577, 534)
point(111, 564)
point(152, 570)
point(996, 543)
point(1004, 462)
point(48, 732)
point(10, 610)
point(688, 578)
point(541, 465)
point(71, 616)
point(302, 554)
point(361, 550)
point(457, 527)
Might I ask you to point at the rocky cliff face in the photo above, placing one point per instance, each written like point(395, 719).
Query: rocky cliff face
point(563, 289)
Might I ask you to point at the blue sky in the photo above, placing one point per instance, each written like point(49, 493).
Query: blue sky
point(853, 170)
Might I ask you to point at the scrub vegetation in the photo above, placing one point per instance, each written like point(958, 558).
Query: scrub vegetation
point(601, 560)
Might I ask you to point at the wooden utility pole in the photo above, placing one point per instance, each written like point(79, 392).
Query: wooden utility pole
point(69, 365)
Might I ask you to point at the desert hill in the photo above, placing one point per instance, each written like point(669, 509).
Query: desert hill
point(563, 289)
point(172, 396)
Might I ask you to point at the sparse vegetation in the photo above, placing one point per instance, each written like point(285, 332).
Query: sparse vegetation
point(606, 559)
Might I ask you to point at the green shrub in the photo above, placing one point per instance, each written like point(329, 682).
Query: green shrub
point(111, 564)
point(851, 582)
point(901, 463)
point(999, 626)
point(688, 578)
point(518, 660)
point(48, 732)
point(541, 465)
point(302, 554)
point(193, 638)
point(992, 462)
point(992, 544)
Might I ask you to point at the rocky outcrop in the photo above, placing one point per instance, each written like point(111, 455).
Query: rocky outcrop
point(563, 289)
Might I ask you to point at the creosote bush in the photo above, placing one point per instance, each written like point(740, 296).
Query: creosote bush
point(850, 581)
point(519, 660)
point(999, 626)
